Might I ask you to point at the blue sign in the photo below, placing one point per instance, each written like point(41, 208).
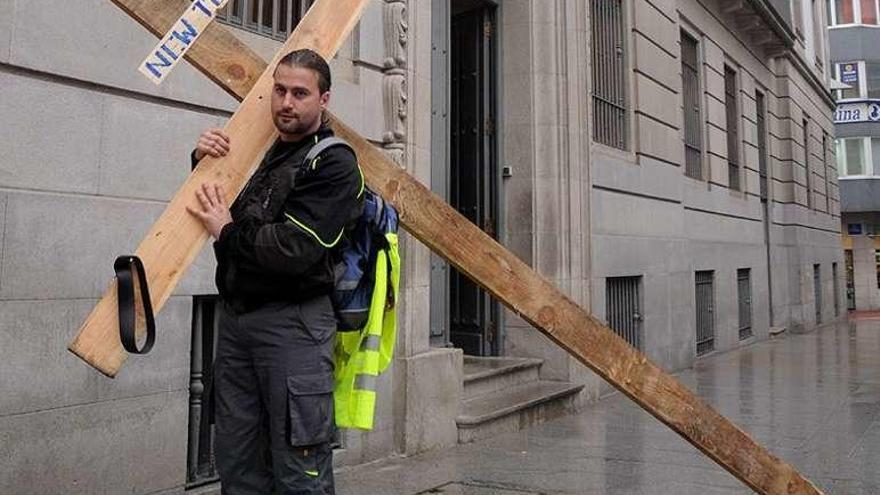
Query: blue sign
point(849, 73)
point(854, 229)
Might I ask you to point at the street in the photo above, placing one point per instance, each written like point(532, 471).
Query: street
point(813, 399)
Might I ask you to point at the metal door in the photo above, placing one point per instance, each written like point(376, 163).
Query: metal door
point(473, 182)
point(623, 308)
point(817, 292)
point(744, 297)
point(705, 311)
point(836, 282)
point(850, 280)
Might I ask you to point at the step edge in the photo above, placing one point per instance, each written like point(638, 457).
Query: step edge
point(506, 370)
point(472, 421)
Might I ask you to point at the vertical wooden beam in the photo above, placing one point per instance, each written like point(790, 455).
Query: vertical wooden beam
point(429, 219)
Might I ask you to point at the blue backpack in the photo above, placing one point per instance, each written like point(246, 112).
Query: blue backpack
point(355, 272)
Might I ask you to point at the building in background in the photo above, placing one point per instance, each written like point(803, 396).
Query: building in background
point(854, 33)
point(667, 163)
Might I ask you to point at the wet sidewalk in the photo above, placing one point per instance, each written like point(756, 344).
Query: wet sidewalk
point(812, 399)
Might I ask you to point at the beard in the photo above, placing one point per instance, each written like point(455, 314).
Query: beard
point(288, 125)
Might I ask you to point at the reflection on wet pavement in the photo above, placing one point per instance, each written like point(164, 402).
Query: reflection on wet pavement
point(812, 399)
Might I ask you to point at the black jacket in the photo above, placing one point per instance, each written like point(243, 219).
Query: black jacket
point(288, 223)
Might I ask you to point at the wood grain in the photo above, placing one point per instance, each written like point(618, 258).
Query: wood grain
point(177, 237)
point(429, 219)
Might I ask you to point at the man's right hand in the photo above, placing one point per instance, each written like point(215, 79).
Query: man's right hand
point(212, 142)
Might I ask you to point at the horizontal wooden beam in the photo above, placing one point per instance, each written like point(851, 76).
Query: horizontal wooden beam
point(235, 75)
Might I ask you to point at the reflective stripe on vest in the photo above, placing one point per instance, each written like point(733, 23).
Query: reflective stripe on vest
point(362, 356)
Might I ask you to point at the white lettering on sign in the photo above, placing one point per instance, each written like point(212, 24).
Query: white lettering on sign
point(162, 60)
point(859, 111)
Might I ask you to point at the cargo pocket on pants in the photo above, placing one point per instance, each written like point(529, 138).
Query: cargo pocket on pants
point(310, 408)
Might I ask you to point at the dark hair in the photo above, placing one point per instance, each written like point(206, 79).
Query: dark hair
point(309, 59)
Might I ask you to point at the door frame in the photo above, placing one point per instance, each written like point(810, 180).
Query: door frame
point(442, 14)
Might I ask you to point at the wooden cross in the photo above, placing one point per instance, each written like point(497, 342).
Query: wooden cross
point(176, 238)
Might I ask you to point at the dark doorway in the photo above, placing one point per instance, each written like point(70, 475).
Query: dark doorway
point(850, 280)
point(473, 180)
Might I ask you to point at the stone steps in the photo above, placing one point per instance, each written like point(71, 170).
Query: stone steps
point(486, 375)
point(505, 394)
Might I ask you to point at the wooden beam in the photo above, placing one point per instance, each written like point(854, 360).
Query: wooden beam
point(235, 75)
point(177, 237)
point(429, 219)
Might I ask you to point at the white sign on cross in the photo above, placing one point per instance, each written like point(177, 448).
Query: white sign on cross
point(171, 48)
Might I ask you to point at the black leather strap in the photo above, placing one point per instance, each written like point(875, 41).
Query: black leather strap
point(127, 313)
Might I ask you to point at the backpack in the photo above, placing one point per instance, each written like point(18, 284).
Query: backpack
point(355, 271)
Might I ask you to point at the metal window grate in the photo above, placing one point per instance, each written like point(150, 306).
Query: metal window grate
point(744, 297)
point(201, 468)
point(761, 106)
point(836, 282)
point(623, 308)
point(825, 172)
point(817, 290)
point(693, 130)
point(798, 16)
point(807, 168)
point(705, 311)
point(610, 123)
point(273, 18)
point(732, 113)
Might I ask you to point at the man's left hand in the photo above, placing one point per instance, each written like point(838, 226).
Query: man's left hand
point(214, 213)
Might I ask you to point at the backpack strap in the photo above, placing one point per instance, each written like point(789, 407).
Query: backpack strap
point(320, 147)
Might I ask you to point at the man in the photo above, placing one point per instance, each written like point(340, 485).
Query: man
point(275, 252)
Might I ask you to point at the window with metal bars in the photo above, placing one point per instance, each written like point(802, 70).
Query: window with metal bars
point(807, 168)
point(705, 311)
point(731, 108)
point(744, 297)
point(610, 112)
point(272, 18)
point(761, 119)
point(817, 289)
point(623, 308)
point(798, 15)
point(825, 171)
point(691, 108)
point(819, 24)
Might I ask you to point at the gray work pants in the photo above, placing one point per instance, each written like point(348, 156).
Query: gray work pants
point(274, 399)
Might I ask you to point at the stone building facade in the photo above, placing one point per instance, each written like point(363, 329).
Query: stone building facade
point(492, 103)
point(856, 68)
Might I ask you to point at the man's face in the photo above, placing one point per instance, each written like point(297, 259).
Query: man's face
point(297, 103)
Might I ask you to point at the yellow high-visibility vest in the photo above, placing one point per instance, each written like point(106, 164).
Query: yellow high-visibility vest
point(362, 356)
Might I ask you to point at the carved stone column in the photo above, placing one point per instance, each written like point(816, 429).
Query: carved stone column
point(394, 85)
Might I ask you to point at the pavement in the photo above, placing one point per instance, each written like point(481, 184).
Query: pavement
point(812, 399)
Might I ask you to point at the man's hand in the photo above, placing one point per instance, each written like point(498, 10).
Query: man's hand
point(214, 213)
point(212, 142)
